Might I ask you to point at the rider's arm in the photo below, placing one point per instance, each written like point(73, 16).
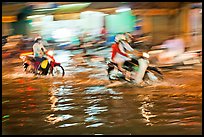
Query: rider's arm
point(136, 53)
point(131, 50)
point(127, 46)
point(43, 48)
point(121, 50)
point(35, 52)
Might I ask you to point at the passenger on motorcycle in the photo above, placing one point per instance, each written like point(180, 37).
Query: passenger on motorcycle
point(129, 37)
point(119, 56)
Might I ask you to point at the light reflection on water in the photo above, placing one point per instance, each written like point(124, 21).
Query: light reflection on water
point(146, 107)
point(81, 103)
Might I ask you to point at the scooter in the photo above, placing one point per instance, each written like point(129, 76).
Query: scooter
point(46, 67)
point(152, 73)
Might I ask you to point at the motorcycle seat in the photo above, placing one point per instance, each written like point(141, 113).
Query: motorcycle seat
point(31, 58)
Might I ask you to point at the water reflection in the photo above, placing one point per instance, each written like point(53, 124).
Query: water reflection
point(146, 107)
point(55, 119)
point(82, 103)
point(58, 98)
point(94, 108)
point(94, 99)
point(60, 104)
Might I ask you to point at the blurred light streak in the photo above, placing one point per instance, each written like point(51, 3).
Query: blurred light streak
point(123, 9)
point(7, 19)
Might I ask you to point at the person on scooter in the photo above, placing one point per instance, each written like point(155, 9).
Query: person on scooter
point(119, 56)
point(39, 51)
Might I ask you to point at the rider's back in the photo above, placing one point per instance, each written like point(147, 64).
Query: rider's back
point(37, 50)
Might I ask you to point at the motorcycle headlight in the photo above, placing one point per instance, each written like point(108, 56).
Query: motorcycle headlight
point(146, 55)
point(22, 57)
point(50, 52)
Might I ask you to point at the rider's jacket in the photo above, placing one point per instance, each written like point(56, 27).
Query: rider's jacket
point(119, 48)
point(116, 49)
point(37, 50)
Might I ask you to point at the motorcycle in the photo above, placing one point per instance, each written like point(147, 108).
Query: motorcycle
point(184, 59)
point(46, 67)
point(152, 73)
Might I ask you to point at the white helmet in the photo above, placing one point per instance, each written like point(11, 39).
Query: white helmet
point(38, 37)
point(120, 37)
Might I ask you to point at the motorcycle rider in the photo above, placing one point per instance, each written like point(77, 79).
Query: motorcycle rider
point(39, 51)
point(119, 56)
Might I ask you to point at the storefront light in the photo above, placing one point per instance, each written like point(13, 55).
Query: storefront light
point(123, 9)
point(35, 16)
point(62, 33)
point(74, 5)
point(52, 9)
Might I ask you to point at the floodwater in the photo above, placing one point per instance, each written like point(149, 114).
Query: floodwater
point(82, 103)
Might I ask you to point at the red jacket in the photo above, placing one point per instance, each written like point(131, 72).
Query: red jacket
point(115, 49)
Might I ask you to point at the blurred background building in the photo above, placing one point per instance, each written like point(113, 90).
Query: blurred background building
point(67, 21)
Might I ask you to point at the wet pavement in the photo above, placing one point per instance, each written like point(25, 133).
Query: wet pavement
point(82, 103)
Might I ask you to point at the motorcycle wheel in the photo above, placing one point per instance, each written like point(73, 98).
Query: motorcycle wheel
point(58, 71)
point(112, 73)
point(28, 68)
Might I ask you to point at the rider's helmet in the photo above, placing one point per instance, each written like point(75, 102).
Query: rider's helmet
point(39, 38)
point(120, 37)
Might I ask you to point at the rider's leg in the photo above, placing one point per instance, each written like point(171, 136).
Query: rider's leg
point(143, 64)
point(125, 72)
point(37, 63)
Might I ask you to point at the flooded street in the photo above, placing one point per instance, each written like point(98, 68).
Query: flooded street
point(81, 102)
